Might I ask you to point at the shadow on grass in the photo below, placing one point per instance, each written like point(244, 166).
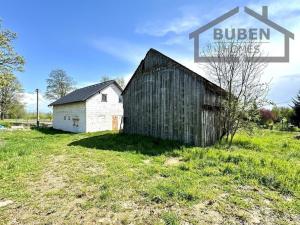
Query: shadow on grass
point(128, 143)
point(50, 131)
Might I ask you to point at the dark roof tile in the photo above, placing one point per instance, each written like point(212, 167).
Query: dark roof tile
point(82, 94)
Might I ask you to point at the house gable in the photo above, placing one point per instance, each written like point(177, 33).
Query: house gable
point(99, 113)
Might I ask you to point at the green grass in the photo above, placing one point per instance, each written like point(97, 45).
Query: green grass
point(105, 177)
point(5, 123)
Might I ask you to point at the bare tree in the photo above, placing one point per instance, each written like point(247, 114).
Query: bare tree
point(121, 82)
point(58, 84)
point(237, 67)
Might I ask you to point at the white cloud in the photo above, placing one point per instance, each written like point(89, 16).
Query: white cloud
point(177, 25)
point(278, 11)
point(125, 76)
point(87, 83)
point(122, 49)
point(285, 88)
point(29, 99)
point(177, 40)
point(188, 18)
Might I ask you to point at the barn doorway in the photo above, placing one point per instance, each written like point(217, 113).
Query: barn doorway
point(114, 122)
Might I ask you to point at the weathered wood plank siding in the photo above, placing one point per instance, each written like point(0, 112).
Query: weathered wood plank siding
point(165, 100)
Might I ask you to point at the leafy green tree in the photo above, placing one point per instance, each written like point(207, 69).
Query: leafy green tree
point(281, 113)
point(296, 108)
point(59, 84)
point(9, 59)
point(17, 110)
point(9, 93)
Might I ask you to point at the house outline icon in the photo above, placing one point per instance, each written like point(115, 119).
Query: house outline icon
point(263, 18)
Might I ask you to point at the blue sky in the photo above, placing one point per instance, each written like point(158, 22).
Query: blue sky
point(89, 39)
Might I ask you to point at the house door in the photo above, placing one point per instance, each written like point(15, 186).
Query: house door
point(114, 122)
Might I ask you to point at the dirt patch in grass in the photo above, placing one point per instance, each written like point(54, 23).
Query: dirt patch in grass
point(4, 203)
point(173, 161)
point(143, 212)
point(49, 182)
point(218, 211)
point(51, 178)
point(54, 197)
point(147, 161)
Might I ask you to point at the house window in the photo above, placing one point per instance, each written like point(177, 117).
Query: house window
point(69, 117)
point(120, 99)
point(65, 117)
point(104, 98)
point(75, 122)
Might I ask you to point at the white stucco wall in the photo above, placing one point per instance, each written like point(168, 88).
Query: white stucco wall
point(72, 111)
point(99, 114)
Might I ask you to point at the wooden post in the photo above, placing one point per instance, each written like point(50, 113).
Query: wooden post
point(37, 109)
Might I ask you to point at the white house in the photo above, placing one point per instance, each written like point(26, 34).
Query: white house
point(94, 108)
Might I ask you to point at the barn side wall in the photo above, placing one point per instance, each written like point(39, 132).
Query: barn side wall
point(211, 118)
point(165, 101)
point(168, 104)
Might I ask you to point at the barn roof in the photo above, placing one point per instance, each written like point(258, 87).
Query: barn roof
point(208, 83)
point(82, 94)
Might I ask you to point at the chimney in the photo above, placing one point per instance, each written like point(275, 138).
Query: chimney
point(265, 12)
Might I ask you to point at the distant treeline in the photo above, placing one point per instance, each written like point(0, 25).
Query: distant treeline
point(43, 116)
point(32, 116)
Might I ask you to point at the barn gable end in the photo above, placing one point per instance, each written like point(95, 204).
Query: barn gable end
point(167, 100)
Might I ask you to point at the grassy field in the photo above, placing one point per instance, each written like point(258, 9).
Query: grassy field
point(108, 178)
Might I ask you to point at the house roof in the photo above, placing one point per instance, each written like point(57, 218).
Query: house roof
point(191, 72)
point(82, 94)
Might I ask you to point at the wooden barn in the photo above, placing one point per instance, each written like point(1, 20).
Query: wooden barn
point(164, 99)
